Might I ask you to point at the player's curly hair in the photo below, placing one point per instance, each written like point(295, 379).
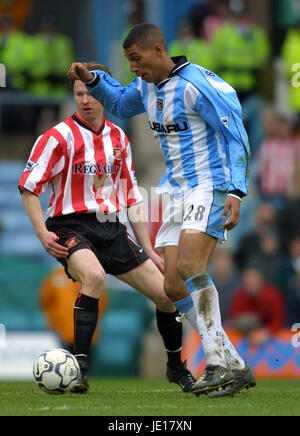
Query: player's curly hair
point(91, 66)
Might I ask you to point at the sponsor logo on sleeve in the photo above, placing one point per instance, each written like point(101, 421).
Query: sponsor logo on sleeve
point(225, 121)
point(30, 165)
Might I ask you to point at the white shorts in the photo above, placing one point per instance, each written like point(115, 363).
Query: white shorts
point(198, 209)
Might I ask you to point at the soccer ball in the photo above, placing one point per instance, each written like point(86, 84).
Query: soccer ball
point(56, 371)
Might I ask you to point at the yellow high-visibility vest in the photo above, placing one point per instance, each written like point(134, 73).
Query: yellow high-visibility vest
point(291, 57)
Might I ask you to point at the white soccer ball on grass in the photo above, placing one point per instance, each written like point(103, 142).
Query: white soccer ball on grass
point(56, 371)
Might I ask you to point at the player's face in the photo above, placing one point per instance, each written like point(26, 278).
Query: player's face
point(89, 109)
point(145, 62)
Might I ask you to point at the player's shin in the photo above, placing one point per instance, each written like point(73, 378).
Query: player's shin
point(233, 359)
point(171, 333)
point(187, 310)
point(85, 322)
point(206, 302)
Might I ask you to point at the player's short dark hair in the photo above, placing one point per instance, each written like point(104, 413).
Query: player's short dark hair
point(91, 66)
point(144, 35)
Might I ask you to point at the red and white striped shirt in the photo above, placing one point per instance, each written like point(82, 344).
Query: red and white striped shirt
point(90, 171)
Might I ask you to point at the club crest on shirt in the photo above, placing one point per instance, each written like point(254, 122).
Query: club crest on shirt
point(160, 104)
point(72, 242)
point(118, 153)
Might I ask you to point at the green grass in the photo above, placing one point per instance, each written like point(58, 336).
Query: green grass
point(140, 397)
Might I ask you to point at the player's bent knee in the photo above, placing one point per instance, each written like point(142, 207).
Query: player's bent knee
point(93, 282)
point(164, 304)
point(187, 268)
point(175, 291)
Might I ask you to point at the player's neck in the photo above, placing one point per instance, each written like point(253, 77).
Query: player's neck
point(93, 122)
point(166, 69)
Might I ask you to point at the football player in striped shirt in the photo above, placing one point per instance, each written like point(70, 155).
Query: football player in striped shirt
point(196, 117)
point(88, 163)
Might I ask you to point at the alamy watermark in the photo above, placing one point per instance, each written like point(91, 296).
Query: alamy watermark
point(2, 76)
point(296, 337)
point(2, 336)
point(296, 77)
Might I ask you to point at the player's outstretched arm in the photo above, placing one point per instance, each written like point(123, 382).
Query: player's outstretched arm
point(48, 239)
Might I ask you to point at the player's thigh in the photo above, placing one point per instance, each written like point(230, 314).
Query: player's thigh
point(194, 252)
point(203, 210)
point(149, 281)
point(174, 285)
point(84, 267)
point(169, 232)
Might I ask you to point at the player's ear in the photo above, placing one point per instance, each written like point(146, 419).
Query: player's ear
point(158, 48)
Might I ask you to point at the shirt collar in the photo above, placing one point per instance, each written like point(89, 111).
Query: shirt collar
point(180, 62)
point(76, 118)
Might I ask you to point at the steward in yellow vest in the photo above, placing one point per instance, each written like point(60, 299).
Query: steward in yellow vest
point(291, 56)
point(197, 50)
point(241, 49)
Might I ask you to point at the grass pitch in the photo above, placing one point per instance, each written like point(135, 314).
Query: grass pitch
point(140, 397)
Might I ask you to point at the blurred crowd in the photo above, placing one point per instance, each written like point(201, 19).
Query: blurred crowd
point(258, 275)
point(36, 63)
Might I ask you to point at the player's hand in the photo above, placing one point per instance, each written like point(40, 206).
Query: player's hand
point(158, 260)
point(232, 205)
point(79, 71)
point(49, 241)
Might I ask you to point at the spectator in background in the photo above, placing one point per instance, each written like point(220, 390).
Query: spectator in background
point(15, 55)
point(269, 257)
point(293, 295)
point(265, 222)
point(257, 308)
point(198, 14)
point(14, 52)
point(218, 16)
point(290, 53)
point(51, 53)
point(269, 122)
point(226, 278)
point(195, 49)
point(57, 297)
point(289, 216)
point(275, 166)
point(18, 9)
point(242, 50)
point(289, 279)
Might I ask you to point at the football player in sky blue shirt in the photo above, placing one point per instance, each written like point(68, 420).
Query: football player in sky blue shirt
point(197, 118)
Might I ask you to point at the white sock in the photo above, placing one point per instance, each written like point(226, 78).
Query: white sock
point(206, 302)
point(233, 359)
point(191, 317)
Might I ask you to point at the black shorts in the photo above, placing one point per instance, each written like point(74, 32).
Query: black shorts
point(117, 252)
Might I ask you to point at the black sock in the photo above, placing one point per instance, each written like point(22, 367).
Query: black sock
point(171, 332)
point(85, 322)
